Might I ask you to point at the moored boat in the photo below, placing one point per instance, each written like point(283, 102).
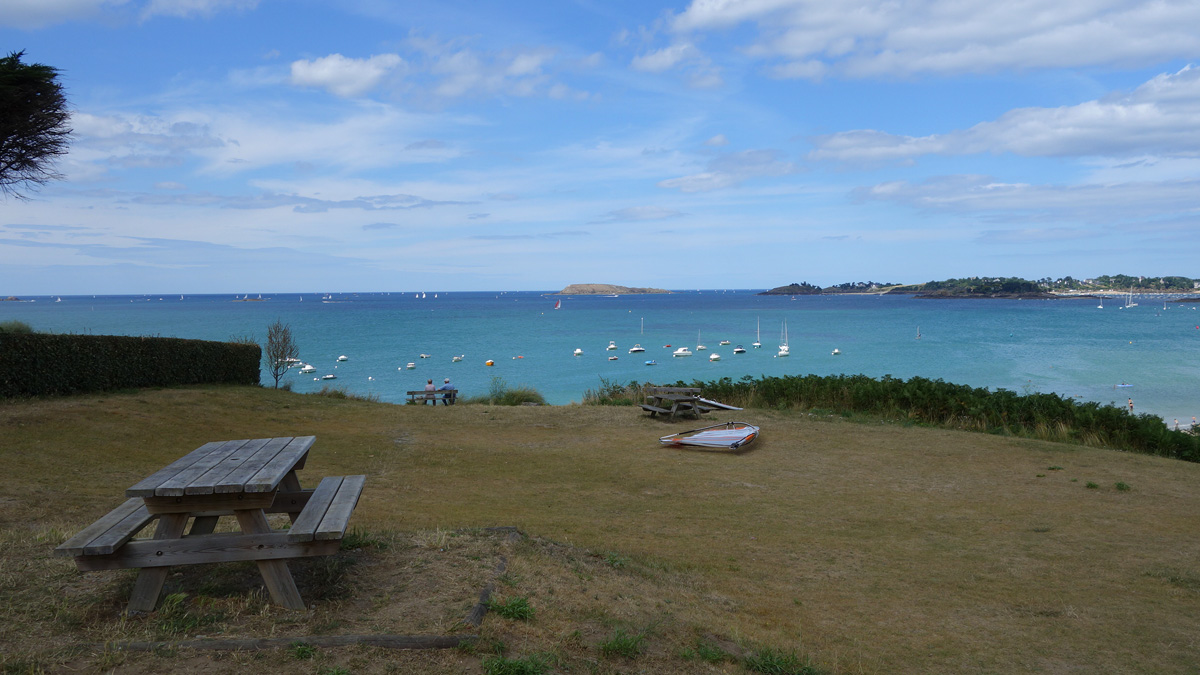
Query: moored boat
point(682, 351)
point(728, 436)
point(636, 349)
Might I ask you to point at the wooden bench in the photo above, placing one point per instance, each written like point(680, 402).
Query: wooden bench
point(436, 396)
point(246, 479)
point(674, 400)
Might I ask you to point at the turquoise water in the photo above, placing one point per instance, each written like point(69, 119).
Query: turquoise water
point(1069, 347)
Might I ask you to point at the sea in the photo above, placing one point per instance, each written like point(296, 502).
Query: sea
point(1148, 353)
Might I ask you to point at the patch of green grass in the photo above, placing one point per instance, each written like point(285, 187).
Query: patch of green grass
point(705, 651)
point(623, 644)
point(483, 645)
point(176, 617)
point(1122, 486)
point(615, 560)
point(1092, 486)
point(302, 650)
point(778, 662)
point(517, 608)
point(534, 664)
point(360, 538)
point(1186, 580)
point(1055, 468)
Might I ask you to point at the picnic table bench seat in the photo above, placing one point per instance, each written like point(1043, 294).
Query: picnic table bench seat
point(320, 516)
point(422, 395)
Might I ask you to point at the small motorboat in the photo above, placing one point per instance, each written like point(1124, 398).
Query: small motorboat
point(458, 358)
point(652, 362)
point(636, 349)
point(837, 352)
point(728, 436)
point(425, 356)
point(724, 342)
point(306, 368)
point(578, 352)
point(739, 350)
point(612, 358)
point(611, 345)
point(343, 357)
point(489, 362)
point(410, 365)
point(329, 377)
point(714, 357)
point(682, 351)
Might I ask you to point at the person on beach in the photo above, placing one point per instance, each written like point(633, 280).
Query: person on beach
point(445, 387)
point(1130, 405)
point(429, 397)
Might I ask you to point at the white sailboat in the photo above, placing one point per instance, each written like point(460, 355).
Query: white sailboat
point(758, 336)
point(918, 332)
point(784, 349)
point(699, 345)
point(1129, 299)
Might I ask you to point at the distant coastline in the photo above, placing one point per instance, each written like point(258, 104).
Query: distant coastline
point(1012, 288)
point(607, 289)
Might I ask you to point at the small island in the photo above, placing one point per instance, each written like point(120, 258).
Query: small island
point(805, 288)
point(607, 289)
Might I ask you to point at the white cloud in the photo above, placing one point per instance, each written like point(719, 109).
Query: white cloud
point(879, 38)
point(1158, 118)
point(665, 58)
point(1094, 202)
point(639, 214)
point(731, 170)
point(40, 13)
point(717, 141)
point(344, 76)
point(189, 8)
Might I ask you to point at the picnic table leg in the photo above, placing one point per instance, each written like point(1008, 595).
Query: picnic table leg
point(275, 573)
point(150, 579)
point(291, 483)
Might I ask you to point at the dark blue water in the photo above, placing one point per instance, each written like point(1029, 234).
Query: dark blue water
point(1069, 347)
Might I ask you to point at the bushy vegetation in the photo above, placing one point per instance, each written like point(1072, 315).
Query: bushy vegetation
point(44, 364)
point(611, 392)
point(499, 393)
point(15, 327)
point(924, 401)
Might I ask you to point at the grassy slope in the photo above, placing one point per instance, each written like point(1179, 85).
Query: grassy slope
point(871, 548)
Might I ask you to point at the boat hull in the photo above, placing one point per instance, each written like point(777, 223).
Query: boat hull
point(728, 436)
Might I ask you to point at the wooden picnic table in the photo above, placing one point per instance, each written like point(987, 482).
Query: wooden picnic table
point(244, 478)
point(674, 400)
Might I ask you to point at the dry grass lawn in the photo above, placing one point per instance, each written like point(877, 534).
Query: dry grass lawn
point(863, 547)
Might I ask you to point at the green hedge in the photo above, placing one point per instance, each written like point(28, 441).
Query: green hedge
point(46, 364)
point(936, 402)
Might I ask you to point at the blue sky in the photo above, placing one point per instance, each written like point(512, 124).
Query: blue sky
point(271, 146)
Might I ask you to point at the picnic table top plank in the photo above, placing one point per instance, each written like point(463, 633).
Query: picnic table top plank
point(333, 525)
point(146, 486)
point(267, 479)
point(236, 478)
point(204, 483)
point(175, 485)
